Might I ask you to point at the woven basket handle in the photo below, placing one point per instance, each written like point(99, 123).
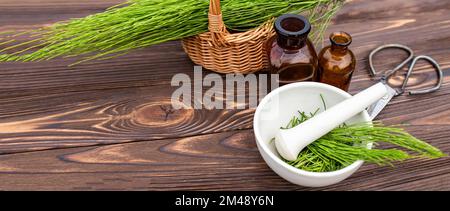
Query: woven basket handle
point(216, 25)
point(214, 7)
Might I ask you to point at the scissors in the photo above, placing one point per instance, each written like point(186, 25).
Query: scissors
point(376, 108)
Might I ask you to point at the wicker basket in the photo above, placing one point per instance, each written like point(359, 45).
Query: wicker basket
point(224, 52)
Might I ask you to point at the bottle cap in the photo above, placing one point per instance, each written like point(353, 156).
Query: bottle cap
point(292, 30)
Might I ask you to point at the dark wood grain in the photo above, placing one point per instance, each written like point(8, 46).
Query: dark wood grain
point(137, 114)
point(69, 104)
point(223, 161)
point(107, 116)
point(104, 125)
point(424, 31)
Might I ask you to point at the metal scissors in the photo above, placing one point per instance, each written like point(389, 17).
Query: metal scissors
point(376, 108)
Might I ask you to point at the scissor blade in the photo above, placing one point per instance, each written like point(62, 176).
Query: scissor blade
point(377, 107)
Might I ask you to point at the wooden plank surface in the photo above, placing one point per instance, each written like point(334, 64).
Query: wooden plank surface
point(223, 161)
point(102, 125)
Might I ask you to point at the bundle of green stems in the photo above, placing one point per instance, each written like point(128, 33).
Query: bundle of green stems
point(142, 23)
point(348, 143)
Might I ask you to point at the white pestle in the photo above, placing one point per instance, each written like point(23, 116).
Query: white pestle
point(290, 142)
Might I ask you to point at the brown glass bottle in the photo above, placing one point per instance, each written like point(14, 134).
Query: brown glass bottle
point(291, 53)
point(337, 62)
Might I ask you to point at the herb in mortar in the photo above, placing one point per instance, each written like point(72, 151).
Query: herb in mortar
point(142, 23)
point(348, 143)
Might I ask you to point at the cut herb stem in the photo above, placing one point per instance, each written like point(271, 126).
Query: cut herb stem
point(348, 143)
point(142, 23)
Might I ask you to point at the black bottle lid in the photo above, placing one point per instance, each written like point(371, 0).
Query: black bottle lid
point(292, 30)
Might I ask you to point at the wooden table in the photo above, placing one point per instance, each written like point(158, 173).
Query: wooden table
point(102, 125)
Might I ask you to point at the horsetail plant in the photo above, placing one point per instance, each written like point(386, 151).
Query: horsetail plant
point(141, 23)
point(348, 143)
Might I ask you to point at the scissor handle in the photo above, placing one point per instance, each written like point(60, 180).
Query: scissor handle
point(372, 70)
point(411, 68)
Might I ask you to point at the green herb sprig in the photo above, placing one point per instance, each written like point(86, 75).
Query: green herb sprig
point(142, 23)
point(348, 143)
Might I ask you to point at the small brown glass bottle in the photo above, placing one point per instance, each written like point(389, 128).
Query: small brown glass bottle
point(291, 53)
point(337, 62)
